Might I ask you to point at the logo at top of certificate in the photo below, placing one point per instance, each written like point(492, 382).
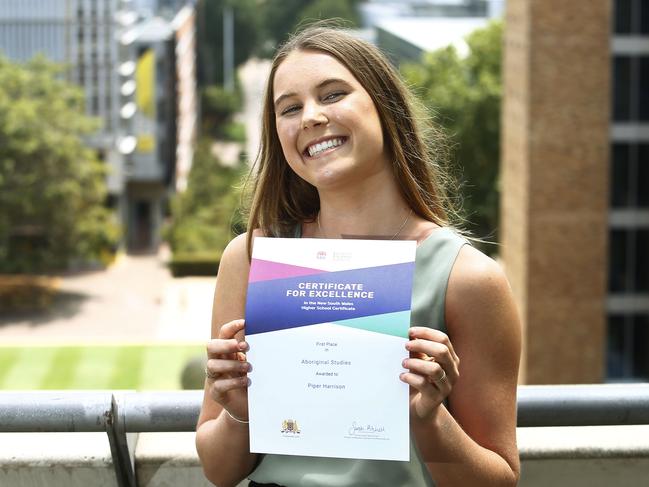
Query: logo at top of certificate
point(290, 426)
point(321, 254)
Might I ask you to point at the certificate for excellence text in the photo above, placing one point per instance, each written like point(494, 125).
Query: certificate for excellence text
point(327, 321)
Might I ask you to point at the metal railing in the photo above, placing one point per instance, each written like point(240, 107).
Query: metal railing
point(123, 414)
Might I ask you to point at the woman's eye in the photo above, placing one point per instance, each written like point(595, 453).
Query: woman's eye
point(290, 109)
point(334, 96)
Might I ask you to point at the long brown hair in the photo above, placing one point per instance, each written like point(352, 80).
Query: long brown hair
point(280, 200)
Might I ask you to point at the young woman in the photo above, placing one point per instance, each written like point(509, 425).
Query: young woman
point(343, 156)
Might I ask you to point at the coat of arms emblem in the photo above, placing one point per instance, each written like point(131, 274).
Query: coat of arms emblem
point(290, 426)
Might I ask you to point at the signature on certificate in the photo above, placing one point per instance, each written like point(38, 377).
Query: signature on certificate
point(357, 429)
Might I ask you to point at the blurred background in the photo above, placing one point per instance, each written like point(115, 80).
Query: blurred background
point(126, 127)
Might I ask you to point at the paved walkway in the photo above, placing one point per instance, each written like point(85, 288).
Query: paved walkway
point(136, 300)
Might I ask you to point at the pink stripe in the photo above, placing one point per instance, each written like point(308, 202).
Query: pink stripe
point(265, 270)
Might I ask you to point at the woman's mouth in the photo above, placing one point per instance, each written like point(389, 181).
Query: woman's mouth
point(328, 145)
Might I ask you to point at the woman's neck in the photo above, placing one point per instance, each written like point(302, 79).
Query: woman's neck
point(372, 209)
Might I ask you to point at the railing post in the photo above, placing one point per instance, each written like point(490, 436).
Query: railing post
point(122, 444)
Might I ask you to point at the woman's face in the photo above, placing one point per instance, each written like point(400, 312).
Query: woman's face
point(327, 124)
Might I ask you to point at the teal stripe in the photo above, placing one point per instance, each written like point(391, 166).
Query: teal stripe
point(395, 324)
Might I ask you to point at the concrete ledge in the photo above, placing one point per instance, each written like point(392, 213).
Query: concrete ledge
point(583, 456)
point(168, 459)
point(56, 459)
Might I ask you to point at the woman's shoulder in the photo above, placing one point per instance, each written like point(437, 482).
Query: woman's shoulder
point(239, 244)
point(476, 273)
point(235, 255)
point(477, 284)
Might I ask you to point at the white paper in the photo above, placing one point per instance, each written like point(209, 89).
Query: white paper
point(327, 324)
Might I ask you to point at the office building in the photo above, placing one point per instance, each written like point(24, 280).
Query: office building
point(575, 187)
point(627, 304)
point(103, 43)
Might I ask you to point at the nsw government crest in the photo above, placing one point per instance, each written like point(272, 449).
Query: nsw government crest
point(290, 426)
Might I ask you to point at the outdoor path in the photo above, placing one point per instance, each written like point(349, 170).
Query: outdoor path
point(136, 300)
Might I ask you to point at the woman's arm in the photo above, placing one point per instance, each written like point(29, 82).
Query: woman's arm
point(223, 443)
point(473, 442)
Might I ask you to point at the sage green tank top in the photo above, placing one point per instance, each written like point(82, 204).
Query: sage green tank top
point(433, 263)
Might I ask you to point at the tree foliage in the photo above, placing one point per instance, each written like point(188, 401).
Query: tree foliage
point(464, 94)
point(248, 35)
point(52, 186)
point(259, 27)
point(283, 16)
point(206, 215)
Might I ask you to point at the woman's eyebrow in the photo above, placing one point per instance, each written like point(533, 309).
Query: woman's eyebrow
point(322, 84)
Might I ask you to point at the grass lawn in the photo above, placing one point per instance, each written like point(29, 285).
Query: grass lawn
point(140, 367)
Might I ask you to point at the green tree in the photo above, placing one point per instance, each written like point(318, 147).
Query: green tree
point(218, 107)
point(283, 16)
point(464, 94)
point(248, 36)
point(52, 186)
point(206, 215)
point(331, 9)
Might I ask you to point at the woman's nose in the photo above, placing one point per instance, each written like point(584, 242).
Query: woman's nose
point(313, 115)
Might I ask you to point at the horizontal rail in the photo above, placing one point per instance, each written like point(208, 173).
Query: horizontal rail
point(583, 405)
point(43, 411)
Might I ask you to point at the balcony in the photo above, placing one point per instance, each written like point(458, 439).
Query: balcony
point(588, 435)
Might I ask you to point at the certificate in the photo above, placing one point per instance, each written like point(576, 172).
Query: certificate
point(327, 321)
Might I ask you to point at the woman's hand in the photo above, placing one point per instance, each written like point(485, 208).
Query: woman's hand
point(433, 368)
point(227, 369)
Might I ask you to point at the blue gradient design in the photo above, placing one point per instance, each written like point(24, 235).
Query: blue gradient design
point(396, 324)
point(269, 309)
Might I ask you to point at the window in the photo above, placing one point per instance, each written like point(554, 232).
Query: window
point(629, 175)
point(621, 88)
point(617, 262)
point(620, 190)
point(631, 17)
point(642, 87)
point(630, 96)
point(643, 175)
point(629, 261)
point(628, 343)
point(623, 16)
point(641, 274)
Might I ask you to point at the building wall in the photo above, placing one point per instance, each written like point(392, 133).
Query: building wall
point(555, 183)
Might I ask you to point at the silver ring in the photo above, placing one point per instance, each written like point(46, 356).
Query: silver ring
point(438, 380)
point(442, 378)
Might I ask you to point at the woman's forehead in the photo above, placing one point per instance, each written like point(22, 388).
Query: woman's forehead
point(308, 66)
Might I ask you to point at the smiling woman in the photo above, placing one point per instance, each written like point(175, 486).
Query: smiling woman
point(343, 155)
point(327, 124)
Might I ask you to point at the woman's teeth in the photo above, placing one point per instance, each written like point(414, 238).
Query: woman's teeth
point(316, 149)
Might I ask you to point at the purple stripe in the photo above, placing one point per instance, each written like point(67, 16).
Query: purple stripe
point(264, 270)
point(269, 309)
